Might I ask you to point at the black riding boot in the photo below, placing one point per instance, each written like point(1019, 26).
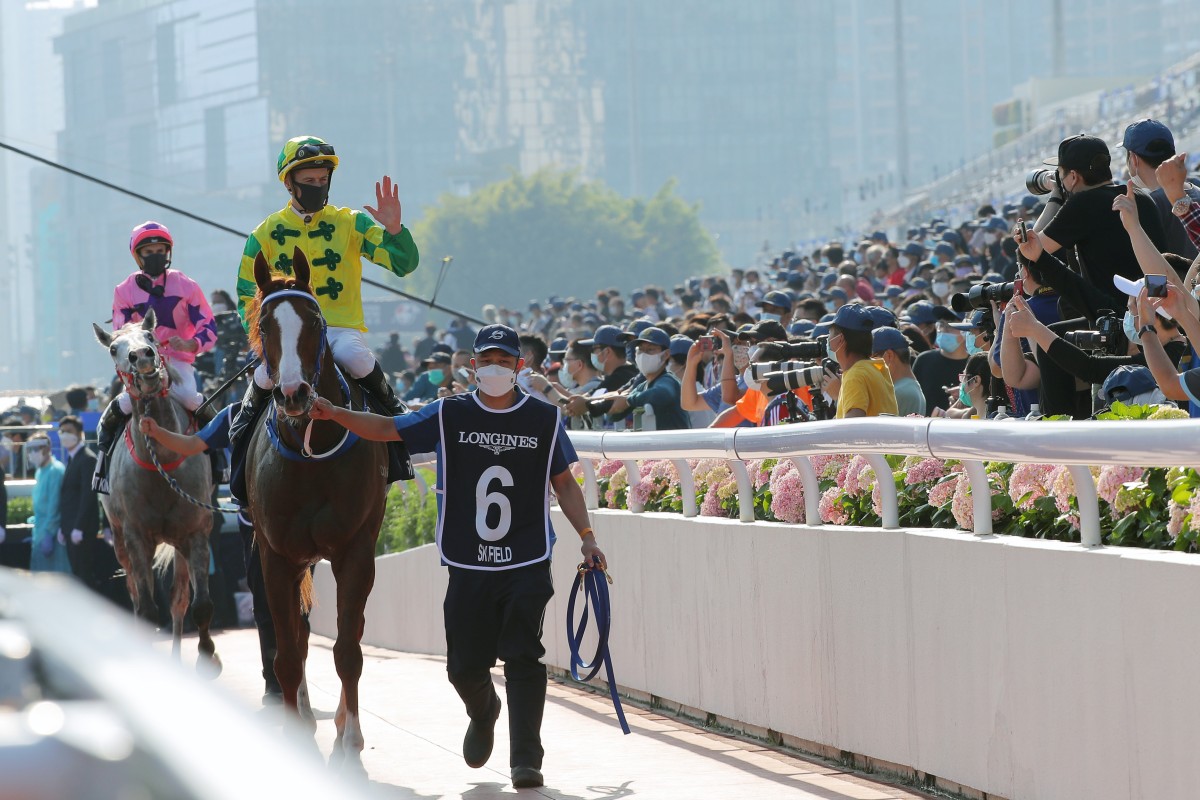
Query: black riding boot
point(400, 466)
point(254, 399)
point(381, 389)
point(111, 423)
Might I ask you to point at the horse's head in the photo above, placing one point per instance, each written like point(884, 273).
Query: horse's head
point(289, 332)
point(134, 352)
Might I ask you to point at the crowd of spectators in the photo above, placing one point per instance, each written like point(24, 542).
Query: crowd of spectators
point(952, 318)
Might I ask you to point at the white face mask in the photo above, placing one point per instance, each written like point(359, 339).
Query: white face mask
point(495, 380)
point(648, 364)
point(741, 356)
point(941, 288)
point(69, 440)
point(39, 457)
point(565, 378)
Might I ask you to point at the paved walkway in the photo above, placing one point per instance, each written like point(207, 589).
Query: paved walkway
point(413, 724)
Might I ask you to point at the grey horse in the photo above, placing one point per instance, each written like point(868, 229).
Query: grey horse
point(151, 523)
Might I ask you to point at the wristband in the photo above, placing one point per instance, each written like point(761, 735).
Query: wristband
point(728, 379)
point(1142, 331)
point(583, 533)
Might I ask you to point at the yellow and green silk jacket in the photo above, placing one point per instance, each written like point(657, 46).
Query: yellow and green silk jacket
point(334, 240)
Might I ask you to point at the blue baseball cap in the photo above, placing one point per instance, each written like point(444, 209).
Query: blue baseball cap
point(921, 313)
point(853, 317)
point(944, 249)
point(558, 346)
point(498, 337)
point(827, 317)
point(879, 236)
point(680, 344)
point(653, 335)
point(795, 278)
point(606, 336)
point(952, 237)
point(913, 249)
point(995, 224)
point(893, 291)
point(1150, 138)
point(828, 279)
point(881, 316)
point(776, 298)
point(920, 283)
point(819, 330)
point(961, 261)
point(884, 339)
point(978, 319)
point(801, 327)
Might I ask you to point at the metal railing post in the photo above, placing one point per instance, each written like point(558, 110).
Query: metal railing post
point(635, 477)
point(591, 491)
point(887, 490)
point(812, 489)
point(687, 486)
point(1089, 505)
point(981, 497)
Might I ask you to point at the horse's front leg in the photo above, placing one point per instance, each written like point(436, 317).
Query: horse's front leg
point(354, 572)
point(139, 577)
point(179, 602)
point(281, 579)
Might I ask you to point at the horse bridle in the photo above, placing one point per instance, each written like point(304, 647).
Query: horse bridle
point(130, 379)
point(262, 347)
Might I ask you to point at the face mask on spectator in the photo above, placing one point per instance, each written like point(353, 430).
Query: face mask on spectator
point(649, 363)
point(69, 440)
point(436, 376)
point(829, 350)
point(765, 317)
point(741, 356)
point(93, 404)
point(564, 377)
point(39, 457)
point(746, 379)
point(1130, 329)
point(752, 353)
point(947, 341)
point(972, 347)
point(963, 397)
point(495, 380)
point(941, 288)
point(596, 364)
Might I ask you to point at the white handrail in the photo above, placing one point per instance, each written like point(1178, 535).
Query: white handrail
point(1075, 444)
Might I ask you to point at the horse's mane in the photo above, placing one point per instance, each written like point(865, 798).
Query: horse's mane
point(254, 308)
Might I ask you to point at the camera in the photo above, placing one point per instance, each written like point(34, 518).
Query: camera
point(1108, 337)
point(760, 369)
point(801, 350)
point(1041, 180)
point(774, 383)
point(980, 296)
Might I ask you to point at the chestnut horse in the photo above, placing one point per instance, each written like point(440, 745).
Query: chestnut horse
point(316, 491)
point(150, 521)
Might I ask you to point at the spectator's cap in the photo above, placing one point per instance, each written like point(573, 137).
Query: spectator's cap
point(534, 304)
point(442, 347)
point(801, 327)
point(1150, 138)
point(1029, 201)
point(496, 337)
point(995, 224)
point(978, 319)
point(780, 299)
point(879, 236)
point(1011, 208)
point(881, 316)
point(827, 317)
point(993, 277)
point(795, 262)
point(893, 291)
point(558, 346)
point(767, 329)
point(557, 301)
point(884, 339)
point(944, 249)
point(444, 358)
point(795, 278)
point(606, 336)
point(943, 272)
point(913, 249)
point(964, 261)
point(680, 344)
point(912, 233)
point(839, 293)
point(1133, 289)
point(636, 295)
point(921, 313)
point(919, 283)
point(951, 236)
point(742, 332)
point(828, 279)
point(635, 327)
point(819, 330)
point(653, 335)
point(577, 306)
point(1128, 381)
point(853, 317)
point(1082, 153)
point(943, 314)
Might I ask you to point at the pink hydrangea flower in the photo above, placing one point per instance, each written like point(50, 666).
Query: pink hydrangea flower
point(711, 507)
point(641, 493)
point(1062, 487)
point(830, 509)
point(1031, 480)
point(829, 465)
point(784, 468)
point(1193, 508)
point(1175, 521)
point(1111, 479)
point(926, 470)
point(664, 470)
point(609, 467)
point(787, 497)
point(962, 505)
point(854, 477)
point(645, 467)
point(942, 493)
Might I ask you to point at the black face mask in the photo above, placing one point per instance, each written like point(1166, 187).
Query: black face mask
point(311, 198)
point(154, 264)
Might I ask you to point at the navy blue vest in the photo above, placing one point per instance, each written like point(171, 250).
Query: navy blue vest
point(495, 479)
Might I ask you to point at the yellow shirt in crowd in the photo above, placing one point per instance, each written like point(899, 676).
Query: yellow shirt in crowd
point(867, 385)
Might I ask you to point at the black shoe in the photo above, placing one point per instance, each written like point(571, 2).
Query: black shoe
point(527, 778)
point(481, 735)
point(381, 389)
point(112, 422)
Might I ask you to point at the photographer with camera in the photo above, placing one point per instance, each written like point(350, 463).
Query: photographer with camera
point(866, 388)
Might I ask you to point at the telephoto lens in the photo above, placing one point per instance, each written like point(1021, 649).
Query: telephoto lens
point(806, 350)
point(785, 381)
point(981, 295)
point(1040, 180)
point(759, 370)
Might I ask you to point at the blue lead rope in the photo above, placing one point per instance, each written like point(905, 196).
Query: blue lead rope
point(593, 583)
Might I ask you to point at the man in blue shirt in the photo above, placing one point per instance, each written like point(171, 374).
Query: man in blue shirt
point(657, 391)
point(500, 451)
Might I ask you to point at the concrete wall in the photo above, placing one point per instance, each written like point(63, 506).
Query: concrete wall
point(1021, 668)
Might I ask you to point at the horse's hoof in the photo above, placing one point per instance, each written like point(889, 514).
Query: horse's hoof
point(209, 667)
point(337, 754)
point(349, 765)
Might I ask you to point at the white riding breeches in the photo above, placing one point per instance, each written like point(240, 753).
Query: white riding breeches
point(350, 352)
point(183, 388)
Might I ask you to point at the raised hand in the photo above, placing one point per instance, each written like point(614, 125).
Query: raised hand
point(1031, 248)
point(387, 205)
point(180, 345)
point(1021, 321)
point(1171, 175)
point(1126, 206)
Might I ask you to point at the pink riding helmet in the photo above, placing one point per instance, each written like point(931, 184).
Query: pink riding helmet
point(149, 232)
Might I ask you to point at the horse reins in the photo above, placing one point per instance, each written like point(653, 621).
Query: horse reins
point(594, 588)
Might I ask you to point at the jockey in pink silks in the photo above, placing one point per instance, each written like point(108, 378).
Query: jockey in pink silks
point(184, 329)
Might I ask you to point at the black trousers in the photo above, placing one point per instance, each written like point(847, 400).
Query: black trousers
point(262, 612)
point(498, 615)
